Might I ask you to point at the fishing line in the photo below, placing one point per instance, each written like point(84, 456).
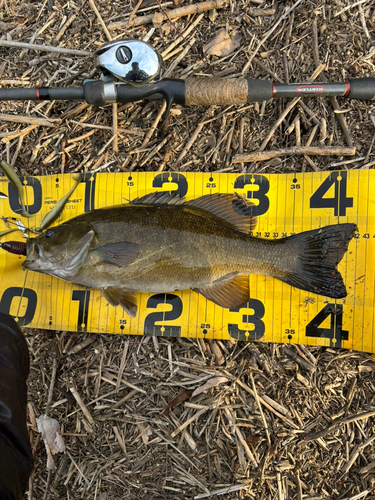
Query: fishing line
point(29, 230)
point(21, 296)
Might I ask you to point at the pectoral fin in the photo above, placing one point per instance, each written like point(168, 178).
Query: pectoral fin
point(229, 291)
point(120, 254)
point(116, 296)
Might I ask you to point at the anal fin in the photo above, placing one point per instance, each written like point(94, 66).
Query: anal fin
point(112, 295)
point(228, 291)
point(129, 303)
point(117, 296)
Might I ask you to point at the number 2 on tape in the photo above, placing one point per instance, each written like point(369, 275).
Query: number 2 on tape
point(150, 328)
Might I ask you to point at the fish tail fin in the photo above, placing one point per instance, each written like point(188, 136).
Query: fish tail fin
point(319, 252)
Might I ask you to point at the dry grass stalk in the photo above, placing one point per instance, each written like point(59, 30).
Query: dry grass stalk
point(23, 133)
point(179, 40)
point(81, 404)
point(33, 121)
point(302, 150)
point(133, 13)
point(66, 25)
point(44, 48)
point(188, 10)
point(269, 33)
point(100, 19)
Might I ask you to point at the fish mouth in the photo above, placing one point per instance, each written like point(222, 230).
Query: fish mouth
point(33, 260)
point(36, 259)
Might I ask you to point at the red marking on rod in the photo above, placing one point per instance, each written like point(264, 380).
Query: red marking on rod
point(347, 89)
point(273, 90)
point(37, 94)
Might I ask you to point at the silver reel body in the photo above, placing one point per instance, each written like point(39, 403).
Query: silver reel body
point(130, 61)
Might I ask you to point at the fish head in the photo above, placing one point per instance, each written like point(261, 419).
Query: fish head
point(60, 251)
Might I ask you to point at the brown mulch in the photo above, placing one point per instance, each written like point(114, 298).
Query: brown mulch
point(272, 427)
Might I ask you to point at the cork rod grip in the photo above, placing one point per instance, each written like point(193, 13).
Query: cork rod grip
point(211, 91)
point(208, 91)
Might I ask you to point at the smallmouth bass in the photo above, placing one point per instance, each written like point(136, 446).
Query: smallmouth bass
point(159, 243)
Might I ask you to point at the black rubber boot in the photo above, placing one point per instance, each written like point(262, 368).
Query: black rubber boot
point(16, 461)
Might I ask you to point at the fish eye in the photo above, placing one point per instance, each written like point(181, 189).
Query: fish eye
point(49, 233)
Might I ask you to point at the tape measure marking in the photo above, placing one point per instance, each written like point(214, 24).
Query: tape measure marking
point(285, 204)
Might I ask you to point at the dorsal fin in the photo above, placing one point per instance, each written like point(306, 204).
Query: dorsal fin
point(159, 198)
point(230, 207)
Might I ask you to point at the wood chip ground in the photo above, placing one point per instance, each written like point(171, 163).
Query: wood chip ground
point(285, 422)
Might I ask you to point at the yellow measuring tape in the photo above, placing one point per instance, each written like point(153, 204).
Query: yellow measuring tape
point(285, 204)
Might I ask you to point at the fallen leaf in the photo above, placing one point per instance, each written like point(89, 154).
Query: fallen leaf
point(222, 44)
point(165, 29)
point(212, 382)
point(182, 396)
point(158, 19)
point(11, 26)
point(213, 15)
point(53, 441)
point(251, 439)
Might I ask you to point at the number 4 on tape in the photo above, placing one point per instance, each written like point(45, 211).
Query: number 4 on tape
point(340, 202)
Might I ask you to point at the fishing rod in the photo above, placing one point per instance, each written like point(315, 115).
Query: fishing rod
point(131, 70)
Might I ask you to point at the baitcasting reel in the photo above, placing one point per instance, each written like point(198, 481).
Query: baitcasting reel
point(130, 61)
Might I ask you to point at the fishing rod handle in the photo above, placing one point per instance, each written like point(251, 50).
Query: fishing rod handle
point(210, 91)
point(218, 91)
point(362, 88)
